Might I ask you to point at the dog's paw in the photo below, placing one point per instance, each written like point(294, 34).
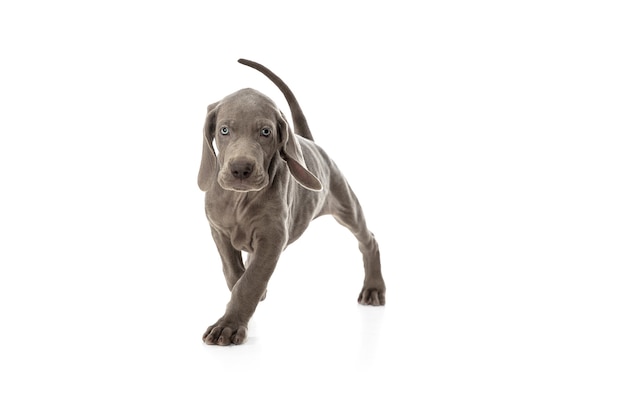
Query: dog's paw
point(372, 296)
point(224, 333)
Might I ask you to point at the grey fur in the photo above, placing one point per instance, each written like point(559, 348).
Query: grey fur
point(263, 187)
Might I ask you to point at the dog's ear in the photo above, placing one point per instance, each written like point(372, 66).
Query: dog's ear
point(292, 153)
point(208, 165)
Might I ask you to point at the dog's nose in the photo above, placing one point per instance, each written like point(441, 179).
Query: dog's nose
point(241, 170)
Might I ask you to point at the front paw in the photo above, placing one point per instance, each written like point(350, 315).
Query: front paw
point(225, 332)
point(373, 296)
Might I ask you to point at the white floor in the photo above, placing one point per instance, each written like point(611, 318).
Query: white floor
point(486, 143)
point(467, 334)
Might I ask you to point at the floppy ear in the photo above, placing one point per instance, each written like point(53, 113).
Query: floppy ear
point(208, 164)
point(292, 153)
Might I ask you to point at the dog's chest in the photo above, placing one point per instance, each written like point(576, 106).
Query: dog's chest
point(237, 221)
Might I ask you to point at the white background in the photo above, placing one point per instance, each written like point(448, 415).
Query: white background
point(484, 139)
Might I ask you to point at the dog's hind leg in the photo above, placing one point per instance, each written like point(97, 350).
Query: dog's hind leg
point(345, 208)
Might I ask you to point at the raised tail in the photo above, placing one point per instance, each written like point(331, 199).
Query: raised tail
point(301, 127)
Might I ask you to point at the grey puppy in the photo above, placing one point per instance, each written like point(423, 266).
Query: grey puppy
point(264, 184)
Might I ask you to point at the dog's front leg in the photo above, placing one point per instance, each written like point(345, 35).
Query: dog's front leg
point(232, 264)
point(232, 327)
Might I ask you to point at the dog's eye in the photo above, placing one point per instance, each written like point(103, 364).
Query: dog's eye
point(224, 130)
point(266, 132)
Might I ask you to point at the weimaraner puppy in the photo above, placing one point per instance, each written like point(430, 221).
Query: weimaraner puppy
point(264, 184)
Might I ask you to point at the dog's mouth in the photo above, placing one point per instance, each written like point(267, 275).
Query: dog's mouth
point(242, 186)
point(242, 175)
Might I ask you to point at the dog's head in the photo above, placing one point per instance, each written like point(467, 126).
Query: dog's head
point(250, 133)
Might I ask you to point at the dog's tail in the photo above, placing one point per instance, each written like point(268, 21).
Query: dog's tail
point(301, 127)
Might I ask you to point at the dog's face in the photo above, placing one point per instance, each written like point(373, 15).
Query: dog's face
point(247, 138)
point(251, 138)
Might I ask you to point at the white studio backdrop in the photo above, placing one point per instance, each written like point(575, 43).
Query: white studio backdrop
point(485, 141)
